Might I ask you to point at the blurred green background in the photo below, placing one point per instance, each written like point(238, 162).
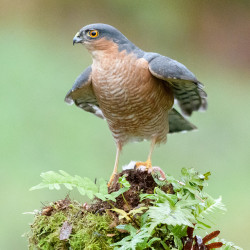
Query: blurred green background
point(39, 132)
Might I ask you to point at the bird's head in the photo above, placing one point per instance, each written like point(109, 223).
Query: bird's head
point(100, 36)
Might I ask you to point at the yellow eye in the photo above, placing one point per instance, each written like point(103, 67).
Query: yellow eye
point(93, 33)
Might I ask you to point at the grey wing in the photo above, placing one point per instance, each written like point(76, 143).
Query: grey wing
point(188, 91)
point(82, 94)
point(177, 123)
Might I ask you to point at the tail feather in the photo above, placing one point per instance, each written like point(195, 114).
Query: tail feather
point(178, 123)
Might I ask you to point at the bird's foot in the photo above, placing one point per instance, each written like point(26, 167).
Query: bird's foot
point(147, 166)
point(112, 177)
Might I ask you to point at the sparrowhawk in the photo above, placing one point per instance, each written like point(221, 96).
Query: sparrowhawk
point(134, 90)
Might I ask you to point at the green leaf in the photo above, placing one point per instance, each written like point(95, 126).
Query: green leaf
point(101, 196)
point(187, 203)
point(90, 194)
point(39, 186)
point(203, 224)
point(127, 227)
point(211, 206)
point(64, 173)
point(68, 186)
point(138, 238)
point(122, 180)
point(148, 196)
point(153, 240)
point(103, 188)
point(192, 177)
point(163, 213)
point(162, 197)
point(178, 232)
point(81, 190)
point(85, 186)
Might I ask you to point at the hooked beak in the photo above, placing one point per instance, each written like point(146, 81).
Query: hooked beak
point(77, 38)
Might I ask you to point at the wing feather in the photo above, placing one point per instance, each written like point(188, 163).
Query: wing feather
point(177, 123)
point(82, 94)
point(188, 91)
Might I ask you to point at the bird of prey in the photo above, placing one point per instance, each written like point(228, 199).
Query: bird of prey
point(134, 90)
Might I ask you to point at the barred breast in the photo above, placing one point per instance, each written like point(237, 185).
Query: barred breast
point(134, 103)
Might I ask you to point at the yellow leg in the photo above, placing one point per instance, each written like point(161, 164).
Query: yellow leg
point(148, 163)
point(118, 151)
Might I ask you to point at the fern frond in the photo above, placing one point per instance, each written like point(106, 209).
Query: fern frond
point(163, 213)
point(212, 206)
point(85, 186)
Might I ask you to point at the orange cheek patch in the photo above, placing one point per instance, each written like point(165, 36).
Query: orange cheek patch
point(102, 44)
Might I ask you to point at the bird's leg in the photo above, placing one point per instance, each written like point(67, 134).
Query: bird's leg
point(148, 163)
point(118, 151)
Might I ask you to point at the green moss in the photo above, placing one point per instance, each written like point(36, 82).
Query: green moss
point(89, 231)
point(45, 232)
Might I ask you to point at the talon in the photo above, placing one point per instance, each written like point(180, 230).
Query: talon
point(148, 167)
point(162, 174)
point(147, 164)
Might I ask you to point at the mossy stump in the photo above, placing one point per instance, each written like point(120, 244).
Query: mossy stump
point(146, 213)
point(67, 224)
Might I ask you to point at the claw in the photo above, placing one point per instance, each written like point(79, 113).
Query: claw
point(147, 164)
